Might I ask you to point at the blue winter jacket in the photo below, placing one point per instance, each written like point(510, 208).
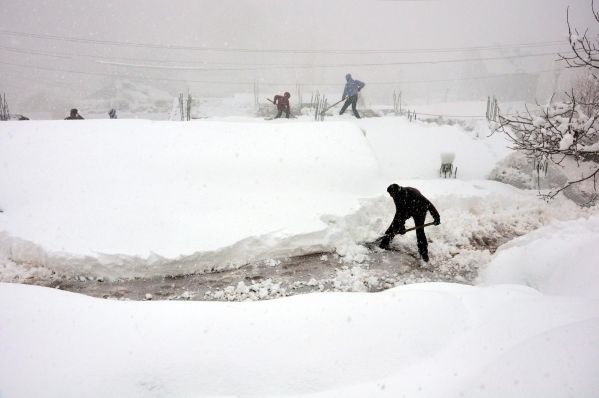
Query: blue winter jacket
point(352, 86)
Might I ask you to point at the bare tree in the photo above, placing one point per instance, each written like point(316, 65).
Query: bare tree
point(559, 131)
point(585, 52)
point(564, 130)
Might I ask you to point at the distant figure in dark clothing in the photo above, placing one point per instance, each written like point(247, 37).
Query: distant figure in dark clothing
point(409, 202)
point(282, 103)
point(112, 113)
point(74, 115)
point(352, 88)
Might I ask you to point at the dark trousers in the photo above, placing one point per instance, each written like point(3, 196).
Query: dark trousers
point(351, 100)
point(281, 111)
point(420, 236)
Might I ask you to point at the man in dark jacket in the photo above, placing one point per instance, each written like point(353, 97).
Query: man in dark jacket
point(74, 115)
point(409, 202)
point(352, 88)
point(282, 103)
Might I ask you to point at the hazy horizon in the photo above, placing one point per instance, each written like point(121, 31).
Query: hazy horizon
point(451, 49)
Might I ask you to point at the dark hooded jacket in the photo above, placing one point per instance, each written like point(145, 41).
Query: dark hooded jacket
point(409, 202)
point(74, 115)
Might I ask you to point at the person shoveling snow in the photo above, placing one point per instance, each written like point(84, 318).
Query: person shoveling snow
point(409, 202)
point(282, 103)
point(350, 93)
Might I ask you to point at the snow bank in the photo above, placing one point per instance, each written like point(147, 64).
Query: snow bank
point(561, 259)
point(438, 340)
point(139, 187)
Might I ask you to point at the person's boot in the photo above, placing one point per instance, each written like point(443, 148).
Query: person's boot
point(424, 257)
point(385, 243)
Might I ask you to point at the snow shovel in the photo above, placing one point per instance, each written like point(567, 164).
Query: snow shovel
point(322, 113)
point(379, 240)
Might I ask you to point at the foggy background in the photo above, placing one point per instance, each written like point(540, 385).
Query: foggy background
point(55, 54)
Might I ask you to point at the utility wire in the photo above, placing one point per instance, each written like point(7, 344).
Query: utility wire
point(255, 67)
point(228, 82)
point(103, 59)
point(262, 50)
point(320, 66)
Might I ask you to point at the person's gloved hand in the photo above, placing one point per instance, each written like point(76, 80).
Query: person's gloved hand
point(437, 221)
point(402, 230)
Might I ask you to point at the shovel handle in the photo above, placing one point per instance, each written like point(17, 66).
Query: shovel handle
point(420, 226)
point(408, 230)
point(332, 106)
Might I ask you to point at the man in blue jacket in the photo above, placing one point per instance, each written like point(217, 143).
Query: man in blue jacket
point(352, 87)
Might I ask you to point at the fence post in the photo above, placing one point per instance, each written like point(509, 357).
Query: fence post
point(4, 111)
point(189, 102)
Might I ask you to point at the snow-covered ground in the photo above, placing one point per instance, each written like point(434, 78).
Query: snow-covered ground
point(123, 198)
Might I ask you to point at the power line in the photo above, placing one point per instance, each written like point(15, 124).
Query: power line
point(320, 66)
point(228, 82)
point(275, 66)
point(262, 50)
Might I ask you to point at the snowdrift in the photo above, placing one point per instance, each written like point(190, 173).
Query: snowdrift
point(559, 259)
point(436, 340)
point(123, 190)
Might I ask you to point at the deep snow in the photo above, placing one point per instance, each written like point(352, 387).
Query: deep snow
point(98, 197)
point(434, 340)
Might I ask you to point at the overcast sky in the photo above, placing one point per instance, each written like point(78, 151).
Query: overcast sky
point(80, 45)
